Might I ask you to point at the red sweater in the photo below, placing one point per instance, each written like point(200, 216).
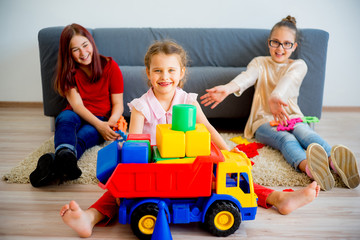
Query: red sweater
point(97, 96)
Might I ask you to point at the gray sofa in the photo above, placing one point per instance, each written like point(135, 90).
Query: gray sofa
point(216, 57)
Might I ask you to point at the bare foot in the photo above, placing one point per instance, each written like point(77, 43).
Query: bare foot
point(286, 202)
point(77, 219)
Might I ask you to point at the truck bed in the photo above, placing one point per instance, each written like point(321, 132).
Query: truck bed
point(185, 180)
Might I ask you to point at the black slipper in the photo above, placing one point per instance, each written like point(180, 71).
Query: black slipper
point(44, 173)
point(66, 164)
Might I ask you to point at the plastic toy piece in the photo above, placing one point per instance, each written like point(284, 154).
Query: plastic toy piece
point(107, 160)
point(197, 141)
point(239, 140)
point(121, 124)
point(122, 134)
point(250, 149)
point(310, 119)
point(135, 152)
point(162, 229)
point(178, 161)
point(184, 117)
point(171, 143)
point(274, 123)
point(290, 126)
point(158, 159)
point(139, 137)
point(149, 147)
point(164, 180)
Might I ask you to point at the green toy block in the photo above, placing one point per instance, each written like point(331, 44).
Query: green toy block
point(183, 117)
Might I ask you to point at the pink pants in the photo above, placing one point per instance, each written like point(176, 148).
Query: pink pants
point(106, 204)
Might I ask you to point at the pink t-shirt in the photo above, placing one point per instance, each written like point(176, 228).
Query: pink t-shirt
point(154, 113)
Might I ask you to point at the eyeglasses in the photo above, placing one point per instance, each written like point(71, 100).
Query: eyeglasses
point(276, 44)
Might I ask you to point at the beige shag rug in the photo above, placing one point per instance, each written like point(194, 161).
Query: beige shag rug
point(270, 167)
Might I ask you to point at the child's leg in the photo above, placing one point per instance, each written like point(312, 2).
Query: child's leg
point(284, 141)
point(306, 136)
point(286, 202)
point(82, 221)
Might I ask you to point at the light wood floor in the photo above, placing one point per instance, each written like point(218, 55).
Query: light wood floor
point(29, 213)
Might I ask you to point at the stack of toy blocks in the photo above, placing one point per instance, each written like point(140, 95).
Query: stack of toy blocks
point(184, 138)
point(179, 142)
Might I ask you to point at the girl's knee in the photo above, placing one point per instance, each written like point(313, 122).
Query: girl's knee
point(67, 116)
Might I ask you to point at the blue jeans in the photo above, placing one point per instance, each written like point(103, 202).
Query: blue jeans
point(74, 133)
point(292, 144)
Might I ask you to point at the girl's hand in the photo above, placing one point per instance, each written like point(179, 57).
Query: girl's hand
point(105, 130)
point(278, 111)
point(215, 96)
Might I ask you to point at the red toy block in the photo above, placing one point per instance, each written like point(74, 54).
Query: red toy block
point(139, 137)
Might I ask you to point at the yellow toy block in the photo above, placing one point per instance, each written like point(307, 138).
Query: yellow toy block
point(171, 144)
point(198, 141)
point(178, 160)
point(239, 140)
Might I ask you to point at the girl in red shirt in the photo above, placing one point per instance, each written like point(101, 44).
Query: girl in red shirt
point(93, 87)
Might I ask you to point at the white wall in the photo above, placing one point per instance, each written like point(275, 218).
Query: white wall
point(20, 21)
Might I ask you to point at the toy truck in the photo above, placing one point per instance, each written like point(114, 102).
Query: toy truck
point(214, 188)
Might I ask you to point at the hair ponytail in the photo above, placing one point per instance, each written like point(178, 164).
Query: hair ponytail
point(289, 22)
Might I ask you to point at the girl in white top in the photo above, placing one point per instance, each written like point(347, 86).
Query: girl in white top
point(277, 80)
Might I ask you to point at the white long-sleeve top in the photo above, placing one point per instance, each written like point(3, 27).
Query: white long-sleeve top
point(281, 80)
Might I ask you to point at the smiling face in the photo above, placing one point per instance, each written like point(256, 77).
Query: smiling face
point(165, 73)
point(81, 50)
point(285, 36)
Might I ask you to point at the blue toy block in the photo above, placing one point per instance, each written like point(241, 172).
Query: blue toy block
point(162, 229)
point(135, 152)
point(149, 147)
point(107, 160)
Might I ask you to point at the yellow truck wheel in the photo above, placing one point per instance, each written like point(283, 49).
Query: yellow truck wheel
point(222, 218)
point(143, 220)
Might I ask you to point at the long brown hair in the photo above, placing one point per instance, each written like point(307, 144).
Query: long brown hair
point(66, 65)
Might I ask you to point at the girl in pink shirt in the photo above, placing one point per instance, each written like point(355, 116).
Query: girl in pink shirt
point(165, 64)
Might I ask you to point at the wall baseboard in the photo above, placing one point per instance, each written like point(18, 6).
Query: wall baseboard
point(4, 104)
point(21, 104)
point(341, 109)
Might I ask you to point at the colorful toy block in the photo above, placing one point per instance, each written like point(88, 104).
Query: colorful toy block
point(157, 156)
point(178, 160)
point(184, 117)
point(158, 159)
point(239, 140)
point(135, 152)
point(171, 143)
point(139, 137)
point(198, 141)
point(107, 160)
point(149, 147)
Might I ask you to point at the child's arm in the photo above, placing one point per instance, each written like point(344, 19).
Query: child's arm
point(117, 108)
point(77, 105)
point(237, 86)
point(136, 122)
point(215, 136)
point(217, 94)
